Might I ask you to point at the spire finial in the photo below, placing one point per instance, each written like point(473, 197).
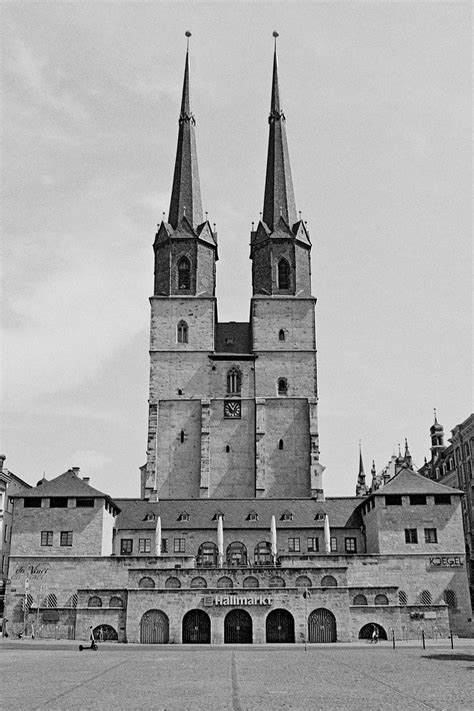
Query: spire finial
point(187, 35)
point(275, 35)
point(435, 419)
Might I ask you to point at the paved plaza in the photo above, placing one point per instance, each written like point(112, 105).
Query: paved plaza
point(56, 675)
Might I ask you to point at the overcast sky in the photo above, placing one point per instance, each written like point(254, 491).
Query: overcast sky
point(377, 98)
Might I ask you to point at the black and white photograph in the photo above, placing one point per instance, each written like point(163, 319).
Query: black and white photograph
point(237, 427)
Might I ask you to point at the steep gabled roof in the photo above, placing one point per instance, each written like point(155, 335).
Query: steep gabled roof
point(342, 513)
point(407, 481)
point(68, 485)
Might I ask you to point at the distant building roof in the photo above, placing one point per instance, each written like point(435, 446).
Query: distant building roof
point(408, 481)
point(233, 337)
point(135, 513)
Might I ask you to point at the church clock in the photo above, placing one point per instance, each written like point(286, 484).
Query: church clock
point(232, 408)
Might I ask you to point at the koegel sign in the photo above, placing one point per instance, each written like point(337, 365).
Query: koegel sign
point(446, 561)
point(210, 600)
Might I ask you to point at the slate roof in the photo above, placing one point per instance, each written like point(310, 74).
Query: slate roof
point(342, 513)
point(68, 484)
point(407, 481)
point(233, 337)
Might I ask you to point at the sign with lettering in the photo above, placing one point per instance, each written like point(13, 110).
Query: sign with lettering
point(446, 561)
point(225, 600)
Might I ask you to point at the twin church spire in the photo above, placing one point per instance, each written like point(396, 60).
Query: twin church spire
point(279, 199)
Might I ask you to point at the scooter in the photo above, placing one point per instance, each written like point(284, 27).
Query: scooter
point(94, 646)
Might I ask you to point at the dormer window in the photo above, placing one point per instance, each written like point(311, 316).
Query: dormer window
point(218, 515)
point(183, 516)
point(286, 516)
point(184, 274)
point(150, 516)
point(319, 516)
point(253, 516)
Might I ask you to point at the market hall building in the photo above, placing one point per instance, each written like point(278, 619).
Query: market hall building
point(233, 540)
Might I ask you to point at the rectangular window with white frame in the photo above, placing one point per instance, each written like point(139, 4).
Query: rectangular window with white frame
point(431, 535)
point(179, 545)
point(46, 538)
point(313, 545)
point(65, 538)
point(333, 544)
point(144, 545)
point(294, 545)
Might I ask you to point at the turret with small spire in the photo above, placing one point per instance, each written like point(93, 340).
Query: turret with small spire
point(361, 488)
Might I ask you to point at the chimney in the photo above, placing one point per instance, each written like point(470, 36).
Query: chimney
point(86, 479)
point(76, 470)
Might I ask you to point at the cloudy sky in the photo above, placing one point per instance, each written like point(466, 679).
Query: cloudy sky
point(377, 100)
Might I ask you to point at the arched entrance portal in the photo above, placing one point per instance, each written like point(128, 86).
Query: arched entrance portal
point(367, 631)
point(238, 627)
point(105, 633)
point(196, 628)
point(154, 628)
point(322, 626)
point(280, 626)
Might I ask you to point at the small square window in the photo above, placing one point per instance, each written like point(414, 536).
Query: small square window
point(431, 535)
point(144, 545)
point(46, 538)
point(32, 502)
point(350, 545)
point(294, 545)
point(65, 538)
point(84, 503)
point(58, 502)
point(313, 545)
point(393, 500)
point(411, 535)
point(179, 545)
point(442, 499)
point(126, 546)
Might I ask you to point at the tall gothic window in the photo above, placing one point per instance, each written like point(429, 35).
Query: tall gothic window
point(282, 386)
point(234, 381)
point(283, 274)
point(184, 273)
point(182, 332)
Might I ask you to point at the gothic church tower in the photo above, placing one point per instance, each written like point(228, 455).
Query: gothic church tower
point(232, 406)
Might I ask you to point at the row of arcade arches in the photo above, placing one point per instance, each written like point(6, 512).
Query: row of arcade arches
point(238, 627)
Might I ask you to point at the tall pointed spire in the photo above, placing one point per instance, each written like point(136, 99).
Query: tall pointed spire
point(361, 488)
point(186, 191)
point(279, 199)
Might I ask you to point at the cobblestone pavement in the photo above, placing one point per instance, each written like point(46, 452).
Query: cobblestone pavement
point(55, 675)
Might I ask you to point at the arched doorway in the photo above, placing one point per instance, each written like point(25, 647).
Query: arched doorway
point(196, 628)
point(322, 626)
point(105, 633)
point(280, 626)
point(238, 627)
point(367, 631)
point(154, 628)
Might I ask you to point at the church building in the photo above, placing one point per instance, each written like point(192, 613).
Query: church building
point(232, 539)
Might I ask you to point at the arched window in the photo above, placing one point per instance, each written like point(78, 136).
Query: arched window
point(234, 380)
point(115, 601)
point(280, 444)
point(94, 601)
point(381, 599)
point(282, 386)
point(425, 597)
point(281, 335)
point(359, 600)
point(146, 582)
point(283, 274)
point(250, 582)
point(172, 583)
point(225, 582)
point(329, 581)
point(207, 555)
point(302, 581)
point(236, 554)
point(402, 598)
point(182, 332)
point(263, 553)
point(198, 583)
point(277, 582)
point(184, 273)
point(450, 598)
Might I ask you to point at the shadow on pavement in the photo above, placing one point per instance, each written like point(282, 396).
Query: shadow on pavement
point(450, 657)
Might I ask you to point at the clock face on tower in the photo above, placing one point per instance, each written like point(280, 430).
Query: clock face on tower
point(232, 408)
